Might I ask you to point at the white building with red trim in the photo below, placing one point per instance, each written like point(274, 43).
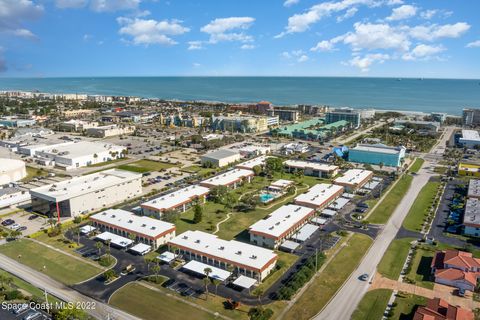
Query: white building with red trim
point(319, 196)
point(354, 179)
point(231, 179)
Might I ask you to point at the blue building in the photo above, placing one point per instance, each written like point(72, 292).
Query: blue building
point(376, 154)
point(14, 122)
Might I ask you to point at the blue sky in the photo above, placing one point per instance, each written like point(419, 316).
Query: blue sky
point(428, 38)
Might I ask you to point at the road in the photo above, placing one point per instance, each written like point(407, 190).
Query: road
point(344, 303)
point(40, 280)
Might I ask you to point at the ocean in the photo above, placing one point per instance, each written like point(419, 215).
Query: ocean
point(424, 95)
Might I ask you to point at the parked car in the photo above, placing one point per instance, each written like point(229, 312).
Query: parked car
point(14, 226)
point(22, 228)
point(362, 205)
point(23, 307)
point(32, 315)
point(33, 217)
point(7, 222)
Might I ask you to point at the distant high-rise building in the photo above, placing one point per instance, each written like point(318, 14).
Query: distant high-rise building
point(471, 117)
point(350, 115)
point(285, 114)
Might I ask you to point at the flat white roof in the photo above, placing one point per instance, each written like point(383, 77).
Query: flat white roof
point(258, 161)
point(176, 198)
point(83, 185)
point(199, 268)
point(378, 148)
point(253, 148)
point(228, 177)
point(305, 232)
point(87, 229)
point(340, 203)
point(470, 135)
point(319, 220)
point(141, 248)
point(244, 282)
point(328, 213)
point(348, 195)
point(311, 165)
point(281, 183)
point(115, 239)
point(371, 185)
point(81, 149)
point(354, 177)
point(220, 154)
point(290, 245)
point(141, 225)
point(281, 220)
point(238, 253)
point(319, 194)
point(166, 256)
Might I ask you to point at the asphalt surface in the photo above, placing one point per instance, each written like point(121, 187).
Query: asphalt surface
point(345, 301)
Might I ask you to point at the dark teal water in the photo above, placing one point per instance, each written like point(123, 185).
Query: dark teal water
point(439, 95)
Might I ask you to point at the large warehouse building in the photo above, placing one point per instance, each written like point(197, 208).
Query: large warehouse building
point(220, 158)
point(11, 171)
point(249, 260)
point(124, 223)
point(376, 154)
point(81, 195)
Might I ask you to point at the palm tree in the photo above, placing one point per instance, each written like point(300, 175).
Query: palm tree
point(76, 231)
point(259, 293)
point(108, 247)
point(156, 269)
point(216, 283)
point(14, 234)
point(148, 260)
point(132, 237)
point(206, 280)
point(99, 247)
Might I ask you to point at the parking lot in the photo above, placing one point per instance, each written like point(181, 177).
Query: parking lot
point(33, 223)
point(22, 313)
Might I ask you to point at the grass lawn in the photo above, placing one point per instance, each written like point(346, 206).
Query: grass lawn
point(331, 278)
point(25, 286)
point(142, 166)
point(285, 261)
point(406, 304)
point(417, 165)
point(384, 210)
point(101, 164)
point(373, 305)
point(33, 173)
point(419, 209)
point(392, 261)
point(60, 267)
point(201, 171)
point(155, 305)
point(440, 170)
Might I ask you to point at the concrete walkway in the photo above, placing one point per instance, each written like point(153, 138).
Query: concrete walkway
point(439, 291)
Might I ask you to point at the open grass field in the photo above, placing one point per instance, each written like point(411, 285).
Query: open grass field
point(34, 172)
point(417, 165)
point(419, 209)
point(392, 261)
point(198, 170)
point(57, 265)
point(406, 306)
point(142, 166)
point(331, 279)
point(384, 210)
point(373, 304)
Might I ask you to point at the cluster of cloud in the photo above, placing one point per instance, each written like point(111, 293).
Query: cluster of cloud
point(150, 31)
point(297, 55)
point(14, 14)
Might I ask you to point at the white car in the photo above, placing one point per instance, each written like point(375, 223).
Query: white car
point(14, 226)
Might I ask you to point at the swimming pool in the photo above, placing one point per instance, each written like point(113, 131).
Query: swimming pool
point(266, 197)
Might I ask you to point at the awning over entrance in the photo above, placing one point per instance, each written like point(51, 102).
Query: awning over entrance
point(199, 268)
point(244, 282)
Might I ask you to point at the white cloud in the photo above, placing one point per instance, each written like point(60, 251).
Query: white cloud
point(301, 22)
point(195, 45)
point(403, 12)
point(376, 36)
point(196, 65)
point(303, 58)
point(433, 32)
point(113, 5)
point(324, 45)
point(473, 44)
point(350, 13)
point(364, 63)
point(151, 31)
point(70, 4)
point(289, 3)
point(13, 14)
point(428, 14)
point(229, 29)
point(87, 37)
point(423, 51)
point(394, 2)
point(247, 47)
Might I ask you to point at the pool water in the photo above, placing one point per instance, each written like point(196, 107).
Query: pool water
point(266, 197)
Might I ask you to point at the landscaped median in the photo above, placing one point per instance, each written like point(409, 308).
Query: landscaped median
point(394, 258)
point(415, 167)
point(421, 206)
point(54, 264)
point(329, 281)
point(384, 210)
point(373, 304)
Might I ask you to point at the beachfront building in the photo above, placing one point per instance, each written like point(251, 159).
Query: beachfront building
point(110, 131)
point(231, 179)
point(285, 114)
point(84, 194)
point(377, 154)
point(313, 129)
point(320, 196)
point(280, 225)
point(246, 259)
point(243, 124)
point(354, 179)
point(314, 169)
point(470, 139)
point(71, 155)
point(124, 223)
point(471, 217)
point(77, 125)
point(350, 115)
point(220, 158)
point(249, 164)
point(471, 117)
point(178, 201)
